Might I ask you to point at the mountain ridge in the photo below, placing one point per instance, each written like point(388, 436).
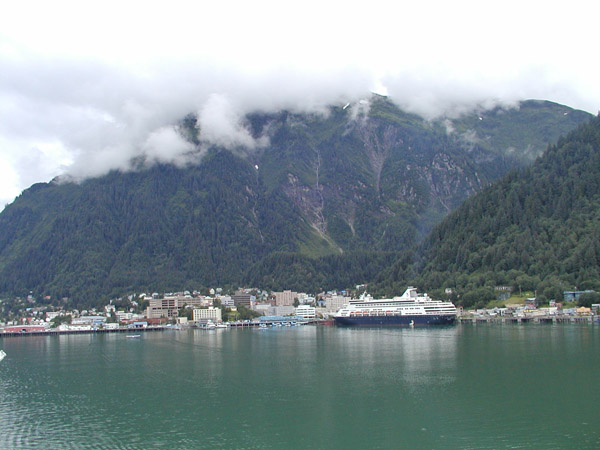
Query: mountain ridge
point(335, 186)
point(536, 229)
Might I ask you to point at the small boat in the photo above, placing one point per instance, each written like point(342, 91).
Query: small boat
point(2, 354)
point(133, 335)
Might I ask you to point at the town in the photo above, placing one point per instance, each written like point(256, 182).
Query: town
point(248, 307)
point(244, 307)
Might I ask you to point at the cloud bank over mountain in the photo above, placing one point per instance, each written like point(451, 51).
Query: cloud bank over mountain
point(86, 88)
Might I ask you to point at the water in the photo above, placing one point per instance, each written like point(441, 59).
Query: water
point(461, 387)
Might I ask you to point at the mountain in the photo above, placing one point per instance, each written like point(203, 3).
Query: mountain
point(330, 201)
point(536, 229)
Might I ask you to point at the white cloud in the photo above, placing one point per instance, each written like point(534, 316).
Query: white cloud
point(166, 145)
point(221, 123)
point(86, 87)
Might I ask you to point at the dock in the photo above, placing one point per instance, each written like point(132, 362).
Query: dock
point(526, 319)
point(92, 331)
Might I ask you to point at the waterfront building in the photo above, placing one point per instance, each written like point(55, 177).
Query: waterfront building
point(88, 320)
point(163, 308)
point(123, 315)
point(202, 314)
point(306, 312)
point(25, 328)
point(584, 311)
point(274, 319)
point(531, 302)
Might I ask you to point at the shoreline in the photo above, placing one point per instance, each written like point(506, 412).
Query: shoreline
point(528, 319)
point(459, 321)
point(99, 331)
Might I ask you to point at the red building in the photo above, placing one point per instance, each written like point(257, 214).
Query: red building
point(24, 328)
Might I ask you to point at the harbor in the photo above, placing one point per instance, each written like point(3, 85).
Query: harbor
point(529, 319)
point(53, 332)
point(264, 322)
point(298, 387)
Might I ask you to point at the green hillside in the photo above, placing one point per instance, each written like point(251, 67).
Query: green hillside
point(331, 201)
point(538, 229)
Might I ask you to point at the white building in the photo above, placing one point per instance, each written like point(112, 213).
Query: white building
point(124, 315)
point(305, 299)
point(281, 311)
point(262, 308)
point(226, 301)
point(306, 312)
point(88, 320)
point(211, 313)
point(335, 302)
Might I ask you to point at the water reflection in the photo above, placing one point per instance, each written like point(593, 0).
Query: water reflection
point(307, 387)
point(409, 353)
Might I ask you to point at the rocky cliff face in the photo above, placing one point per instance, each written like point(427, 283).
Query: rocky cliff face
point(383, 179)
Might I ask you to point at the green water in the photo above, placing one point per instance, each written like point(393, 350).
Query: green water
point(462, 387)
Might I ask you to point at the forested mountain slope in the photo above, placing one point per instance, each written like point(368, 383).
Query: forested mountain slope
point(330, 201)
point(536, 229)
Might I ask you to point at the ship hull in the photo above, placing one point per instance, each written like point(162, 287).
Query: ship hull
point(395, 321)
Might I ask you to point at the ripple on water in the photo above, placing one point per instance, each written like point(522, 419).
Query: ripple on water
point(327, 389)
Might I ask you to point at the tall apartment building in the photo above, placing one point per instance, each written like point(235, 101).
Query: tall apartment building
point(194, 302)
point(163, 307)
point(241, 298)
point(169, 306)
point(285, 298)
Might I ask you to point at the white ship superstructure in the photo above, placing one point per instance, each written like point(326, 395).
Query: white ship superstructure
point(408, 309)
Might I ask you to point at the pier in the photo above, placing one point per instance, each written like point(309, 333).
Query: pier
point(91, 331)
point(526, 319)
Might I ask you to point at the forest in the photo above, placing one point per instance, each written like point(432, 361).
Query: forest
point(385, 199)
point(538, 229)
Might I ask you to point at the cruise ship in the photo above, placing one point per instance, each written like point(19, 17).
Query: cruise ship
point(408, 310)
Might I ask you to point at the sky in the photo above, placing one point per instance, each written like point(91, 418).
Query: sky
point(87, 86)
